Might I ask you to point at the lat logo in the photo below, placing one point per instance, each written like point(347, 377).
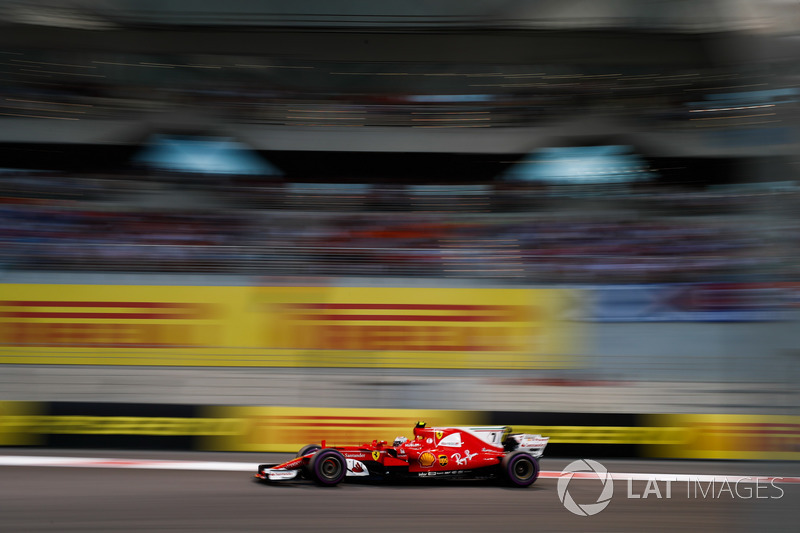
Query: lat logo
point(586, 509)
point(461, 461)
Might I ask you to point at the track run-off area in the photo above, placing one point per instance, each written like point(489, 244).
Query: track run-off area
point(47, 490)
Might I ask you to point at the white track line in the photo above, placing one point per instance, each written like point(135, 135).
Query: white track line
point(96, 462)
point(699, 478)
point(224, 466)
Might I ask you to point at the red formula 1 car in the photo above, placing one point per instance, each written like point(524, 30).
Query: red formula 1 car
point(457, 452)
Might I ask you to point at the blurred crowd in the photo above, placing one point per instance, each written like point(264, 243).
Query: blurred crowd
point(599, 233)
point(106, 224)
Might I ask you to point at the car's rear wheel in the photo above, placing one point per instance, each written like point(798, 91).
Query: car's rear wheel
point(328, 467)
point(520, 469)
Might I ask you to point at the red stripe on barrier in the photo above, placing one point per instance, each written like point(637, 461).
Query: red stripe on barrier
point(411, 318)
point(403, 307)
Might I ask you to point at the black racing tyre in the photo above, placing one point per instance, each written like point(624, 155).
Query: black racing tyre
point(305, 473)
point(328, 467)
point(308, 448)
point(520, 469)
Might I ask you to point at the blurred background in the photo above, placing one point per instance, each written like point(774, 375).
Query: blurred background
point(579, 218)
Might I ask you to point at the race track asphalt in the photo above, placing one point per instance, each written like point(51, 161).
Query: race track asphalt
point(34, 499)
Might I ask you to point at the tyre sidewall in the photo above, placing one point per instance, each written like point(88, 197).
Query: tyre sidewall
point(510, 463)
point(318, 462)
point(305, 472)
point(305, 450)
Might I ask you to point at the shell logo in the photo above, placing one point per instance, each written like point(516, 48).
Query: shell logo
point(427, 459)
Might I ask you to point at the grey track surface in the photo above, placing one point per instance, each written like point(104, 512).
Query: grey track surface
point(87, 499)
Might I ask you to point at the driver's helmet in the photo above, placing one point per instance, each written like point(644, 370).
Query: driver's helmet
point(399, 441)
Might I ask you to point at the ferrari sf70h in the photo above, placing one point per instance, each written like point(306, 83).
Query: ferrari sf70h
point(490, 452)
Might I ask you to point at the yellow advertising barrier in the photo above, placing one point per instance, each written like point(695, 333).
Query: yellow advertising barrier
point(286, 326)
point(607, 434)
point(15, 427)
point(120, 425)
point(287, 429)
point(728, 436)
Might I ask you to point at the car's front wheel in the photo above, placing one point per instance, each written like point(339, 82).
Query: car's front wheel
point(520, 469)
point(307, 449)
point(328, 467)
point(305, 472)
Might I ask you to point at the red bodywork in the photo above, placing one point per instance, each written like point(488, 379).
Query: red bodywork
point(447, 449)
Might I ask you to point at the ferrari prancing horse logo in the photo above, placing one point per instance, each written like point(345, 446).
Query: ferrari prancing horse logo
point(376, 455)
point(439, 435)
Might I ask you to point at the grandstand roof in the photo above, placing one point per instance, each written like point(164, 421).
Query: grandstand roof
point(775, 16)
